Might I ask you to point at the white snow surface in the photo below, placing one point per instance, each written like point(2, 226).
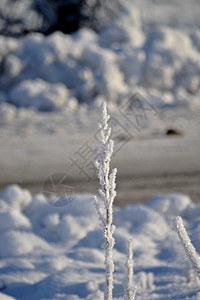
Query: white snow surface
point(151, 48)
point(56, 253)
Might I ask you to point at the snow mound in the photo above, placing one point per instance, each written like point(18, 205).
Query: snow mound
point(7, 45)
point(13, 219)
point(18, 243)
point(16, 197)
point(74, 228)
point(39, 94)
point(46, 72)
point(134, 213)
point(49, 252)
point(170, 205)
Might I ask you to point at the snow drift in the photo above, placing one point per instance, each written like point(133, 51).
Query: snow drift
point(56, 253)
point(46, 72)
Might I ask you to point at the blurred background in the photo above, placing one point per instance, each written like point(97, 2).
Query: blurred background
point(60, 59)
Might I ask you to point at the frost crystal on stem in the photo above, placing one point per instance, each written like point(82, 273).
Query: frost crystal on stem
point(130, 289)
point(189, 248)
point(107, 194)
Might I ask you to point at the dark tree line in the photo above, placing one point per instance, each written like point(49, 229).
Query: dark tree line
point(19, 17)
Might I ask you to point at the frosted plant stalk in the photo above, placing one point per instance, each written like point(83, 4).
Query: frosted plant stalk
point(130, 289)
point(189, 248)
point(107, 195)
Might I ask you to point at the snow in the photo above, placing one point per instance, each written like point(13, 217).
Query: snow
point(171, 206)
point(50, 92)
point(18, 243)
point(6, 297)
point(69, 76)
point(13, 219)
point(7, 112)
point(56, 253)
point(39, 94)
point(46, 72)
point(16, 197)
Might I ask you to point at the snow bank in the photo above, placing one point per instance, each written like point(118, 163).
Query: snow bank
point(39, 94)
point(46, 72)
point(13, 219)
point(17, 243)
point(170, 205)
point(14, 196)
point(54, 253)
